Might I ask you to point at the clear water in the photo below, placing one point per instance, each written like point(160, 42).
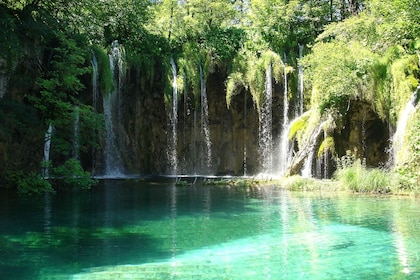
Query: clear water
point(132, 229)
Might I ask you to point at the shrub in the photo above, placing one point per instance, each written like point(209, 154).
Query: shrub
point(352, 174)
point(71, 174)
point(31, 183)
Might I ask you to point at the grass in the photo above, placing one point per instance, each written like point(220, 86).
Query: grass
point(358, 178)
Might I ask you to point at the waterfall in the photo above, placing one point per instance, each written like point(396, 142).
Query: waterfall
point(266, 119)
point(285, 97)
point(47, 148)
point(285, 149)
point(76, 132)
point(285, 153)
point(398, 138)
point(205, 119)
point(299, 110)
point(325, 156)
point(95, 77)
point(304, 153)
point(307, 166)
point(95, 97)
point(172, 143)
point(112, 115)
point(318, 172)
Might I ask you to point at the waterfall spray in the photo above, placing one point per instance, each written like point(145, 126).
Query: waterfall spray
point(172, 143)
point(398, 138)
point(47, 149)
point(266, 119)
point(205, 118)
point(284, 139)
point(95, 77)
point(307, 166)
point(112, 104)
point(95, 97)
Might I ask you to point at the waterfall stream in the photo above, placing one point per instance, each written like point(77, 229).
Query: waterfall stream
point(307, 166)
point(285, 154)
point(398, 138)
point(266, 119)
point(47, 149)
point(173, 138)
point(95, 97)
point(112, 114)
point(205, 121)
point(95, 77)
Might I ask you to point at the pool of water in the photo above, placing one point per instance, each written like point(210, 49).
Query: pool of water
point(136, 229)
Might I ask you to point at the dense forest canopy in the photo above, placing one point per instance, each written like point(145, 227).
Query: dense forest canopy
point(354, 49)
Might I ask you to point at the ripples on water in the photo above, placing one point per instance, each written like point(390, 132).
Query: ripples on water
point(133, 229)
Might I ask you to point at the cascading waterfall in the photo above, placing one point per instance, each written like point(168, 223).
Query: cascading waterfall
point(173, 141)
point(76, 132)
point(95, 77)
point(320, 161)
point(307, 166)
point(285, 153)
point(326, 157)
point(398, 138)
point(266, 119)
point(112, 104)
point(47, 149)
point(363, 132)
point(95, 97)
point(318, 172)
point(205, 119)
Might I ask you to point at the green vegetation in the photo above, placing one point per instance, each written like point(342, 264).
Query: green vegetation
point(408, 168)
point(353, 175)
point(366, 50)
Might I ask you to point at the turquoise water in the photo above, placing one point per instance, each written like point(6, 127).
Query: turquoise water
point(131, 229)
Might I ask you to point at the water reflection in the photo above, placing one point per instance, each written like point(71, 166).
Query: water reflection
point(159, 230)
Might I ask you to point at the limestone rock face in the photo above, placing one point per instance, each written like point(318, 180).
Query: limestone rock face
point(233, 132)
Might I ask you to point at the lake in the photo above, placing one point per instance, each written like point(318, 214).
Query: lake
point(152, 229)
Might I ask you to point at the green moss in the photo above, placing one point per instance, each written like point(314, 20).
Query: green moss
point(326, 145)
point(104, 69)
point(234, 83)
point(298, 125)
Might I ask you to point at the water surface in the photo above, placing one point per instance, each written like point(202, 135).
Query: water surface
point(133, 229)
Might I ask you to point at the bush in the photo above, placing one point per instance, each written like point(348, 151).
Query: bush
point(31, 183)
point(352, 174)
point(71, 174)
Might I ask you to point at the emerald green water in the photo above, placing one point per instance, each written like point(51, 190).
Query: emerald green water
point(129, 229)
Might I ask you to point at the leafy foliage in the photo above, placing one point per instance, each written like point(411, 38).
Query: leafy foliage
point(32, 183)
point(333, 84)
point(71, 174)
